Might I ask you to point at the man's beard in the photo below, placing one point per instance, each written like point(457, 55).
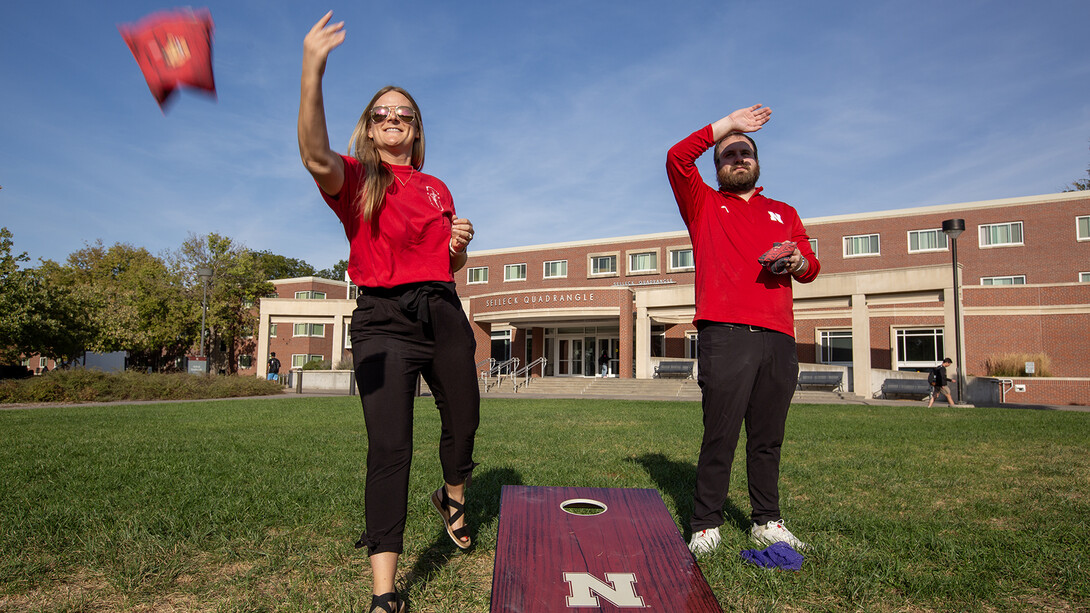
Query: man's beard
point(738, 183)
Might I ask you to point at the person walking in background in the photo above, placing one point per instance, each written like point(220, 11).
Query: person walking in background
point(747, 360)
point(273, 368)
point(405, 243)
point(940, 383)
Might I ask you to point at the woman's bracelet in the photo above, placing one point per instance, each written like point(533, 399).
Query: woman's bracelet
point(803, 267)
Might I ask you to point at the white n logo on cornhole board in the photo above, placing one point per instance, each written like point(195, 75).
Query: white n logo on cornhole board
point(621, 592)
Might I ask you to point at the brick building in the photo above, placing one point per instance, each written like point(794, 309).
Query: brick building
point(886, 285)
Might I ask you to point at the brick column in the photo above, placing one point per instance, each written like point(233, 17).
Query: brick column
point(627, 322)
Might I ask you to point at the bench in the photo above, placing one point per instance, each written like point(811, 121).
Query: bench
point(905, 387)
point(821, 378)
point(683, 370)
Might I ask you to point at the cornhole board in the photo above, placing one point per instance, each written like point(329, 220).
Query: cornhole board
point(628, 557)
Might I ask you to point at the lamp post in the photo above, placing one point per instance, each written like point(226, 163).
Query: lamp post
point(953, 228)
point(205, 274)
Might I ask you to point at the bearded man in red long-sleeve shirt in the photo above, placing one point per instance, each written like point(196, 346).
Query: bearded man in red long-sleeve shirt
point(746, 346)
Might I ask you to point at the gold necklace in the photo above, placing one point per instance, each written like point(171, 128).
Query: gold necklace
point(406, 181)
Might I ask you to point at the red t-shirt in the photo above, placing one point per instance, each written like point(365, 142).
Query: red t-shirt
point(728, 235)
point(408, 240)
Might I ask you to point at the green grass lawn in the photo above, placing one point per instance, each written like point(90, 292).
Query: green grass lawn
point(253, 505)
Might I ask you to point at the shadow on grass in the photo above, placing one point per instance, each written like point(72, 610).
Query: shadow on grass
point(482, 508)
point(678, 481)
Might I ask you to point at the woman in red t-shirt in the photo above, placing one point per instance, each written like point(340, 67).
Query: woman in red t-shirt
point(405, 243)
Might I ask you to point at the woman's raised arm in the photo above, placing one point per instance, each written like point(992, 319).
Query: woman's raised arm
point(318, 158)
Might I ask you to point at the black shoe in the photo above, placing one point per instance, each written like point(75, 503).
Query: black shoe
point(450, 511)
point(389, 602)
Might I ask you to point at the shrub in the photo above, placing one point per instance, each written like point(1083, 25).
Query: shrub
point(82, 385)
point(1014, 365)
point(316, 365)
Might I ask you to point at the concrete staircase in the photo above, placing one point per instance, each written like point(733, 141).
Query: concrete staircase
point(635, 389)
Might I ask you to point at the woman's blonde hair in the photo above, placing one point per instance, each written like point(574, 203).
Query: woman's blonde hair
point(377, 178)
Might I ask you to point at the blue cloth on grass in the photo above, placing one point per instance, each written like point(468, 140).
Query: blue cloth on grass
point(778, 555)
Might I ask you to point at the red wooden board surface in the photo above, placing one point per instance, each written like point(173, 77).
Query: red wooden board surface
point(630, 557)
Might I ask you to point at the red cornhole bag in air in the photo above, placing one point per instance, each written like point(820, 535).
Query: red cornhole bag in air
point(174, 49)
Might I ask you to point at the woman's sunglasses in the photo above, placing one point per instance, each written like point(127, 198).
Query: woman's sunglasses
point(380, 114)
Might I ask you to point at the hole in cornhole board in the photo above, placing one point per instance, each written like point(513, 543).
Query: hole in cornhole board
point(583, 506)
point(627, 555)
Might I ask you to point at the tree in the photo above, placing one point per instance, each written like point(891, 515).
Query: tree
point(36, 315)
point(1080, 184)
point(336, 273)
point(276, 266)
point(238, 282)
point(140, 305)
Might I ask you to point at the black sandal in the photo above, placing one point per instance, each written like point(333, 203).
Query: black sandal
point(445, 505)
point(389, 602)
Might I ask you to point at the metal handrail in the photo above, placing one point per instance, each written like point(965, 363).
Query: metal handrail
point(506, 367)
point(525, 370)
point(500, 370)
point(484, 374)
point(1005, 385)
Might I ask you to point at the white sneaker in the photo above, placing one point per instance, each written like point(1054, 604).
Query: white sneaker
point(774, 532)
point(704, 542)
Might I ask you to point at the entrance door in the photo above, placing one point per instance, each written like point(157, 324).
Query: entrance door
point(611, 348)
point(577, 351)
point(569, 356)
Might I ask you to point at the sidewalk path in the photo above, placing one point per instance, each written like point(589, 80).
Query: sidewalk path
point(497, 395)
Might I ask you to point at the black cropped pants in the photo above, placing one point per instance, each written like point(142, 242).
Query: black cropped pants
point(746, 375)
point(392, 343)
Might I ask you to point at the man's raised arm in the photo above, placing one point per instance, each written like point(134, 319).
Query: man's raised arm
point(749, 119)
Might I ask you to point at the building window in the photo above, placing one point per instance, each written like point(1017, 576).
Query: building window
point(691, 344)
point(272, 330)
point(603, 264)
point(309, 330)
point(919, 348)
point(298, 360)
point(836, 347)
point(514, 272)
point(42, 362)
point(1082, 231)
point(477, 275)
point(813, 246)
point(245, 361)
point(646, 262)
point(926, 240)
point(1008, 280)
point(682, 259)
point(855, 246)
point(501, 347)
point(557, 269)
point(658, 340)
point(999, 234)
point(308, 295)
point(1084, 277)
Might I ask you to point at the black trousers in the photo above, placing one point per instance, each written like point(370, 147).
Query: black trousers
point(746, 374)
point(391, 345)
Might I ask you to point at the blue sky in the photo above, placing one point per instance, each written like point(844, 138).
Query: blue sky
point(549, 121)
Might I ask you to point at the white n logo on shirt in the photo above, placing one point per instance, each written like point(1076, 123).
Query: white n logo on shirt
point(774, 216)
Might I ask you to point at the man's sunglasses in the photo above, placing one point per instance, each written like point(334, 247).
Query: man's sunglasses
point(380, 114)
